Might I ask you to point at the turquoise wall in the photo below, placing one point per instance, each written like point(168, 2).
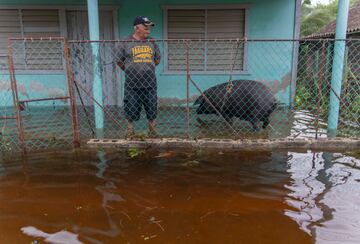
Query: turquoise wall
point(268, 62)
point(34, 86)
point(268, 19)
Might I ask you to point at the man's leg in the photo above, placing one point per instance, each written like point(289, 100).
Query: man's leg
point(130, 129)
point(150, 105)
point(152, 128)
point(132, 107)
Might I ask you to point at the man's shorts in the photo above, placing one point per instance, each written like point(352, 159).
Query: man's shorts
point(134, 99)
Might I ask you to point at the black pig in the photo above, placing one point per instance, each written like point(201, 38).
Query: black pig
point(245, 99)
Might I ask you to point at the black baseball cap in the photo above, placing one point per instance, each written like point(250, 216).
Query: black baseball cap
point(143, 20)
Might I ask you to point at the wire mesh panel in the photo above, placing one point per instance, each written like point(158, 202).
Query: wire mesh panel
point(213, 88)
point(8, 133)
point(64, 92)
point(317, 92)
point(132, 98)
point(236, 93)
point(43, 95)
point(96, 62)
point(350, 96)
point(254, 98)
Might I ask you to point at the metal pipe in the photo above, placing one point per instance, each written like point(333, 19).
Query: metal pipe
point(43, 99)
point(187, 90)
point(7, 117)
point(36, 38)
point(72, 97)
point(321, 62)
point(218, 40)
point(85, 110)
point(338, 66)
point(295, 53)
point(15, 95)
point(94, 33)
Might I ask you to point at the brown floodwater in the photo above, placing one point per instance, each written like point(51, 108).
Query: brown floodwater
point(174, 196)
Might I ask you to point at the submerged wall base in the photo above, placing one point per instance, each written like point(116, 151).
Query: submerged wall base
point(259, 144)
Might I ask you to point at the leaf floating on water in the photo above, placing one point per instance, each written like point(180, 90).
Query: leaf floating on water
point(149, 237)
point(165, 154)
point(191, 163)
point(157, 222)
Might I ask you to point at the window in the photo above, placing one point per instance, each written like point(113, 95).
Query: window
point(45, 55)
point(214, 23)
point(9, 26)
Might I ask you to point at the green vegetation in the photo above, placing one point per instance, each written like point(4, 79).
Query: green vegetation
point(313, 86)
point(5, 144)
point(314, 17)
point(134, 152)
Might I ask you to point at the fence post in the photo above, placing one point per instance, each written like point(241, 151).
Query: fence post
point(295, 53)
point(72, 97)
point(94, 33)
point(321, 63)
point(15, 95)
point(187, 89)
point(338, 66)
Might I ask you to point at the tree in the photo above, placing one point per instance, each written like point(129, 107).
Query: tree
point(315, 17)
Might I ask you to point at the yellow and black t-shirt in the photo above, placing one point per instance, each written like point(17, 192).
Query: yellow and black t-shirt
point(139, 58)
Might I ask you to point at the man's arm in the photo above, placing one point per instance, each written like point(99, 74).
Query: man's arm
point(121, 56)
point(157, 55)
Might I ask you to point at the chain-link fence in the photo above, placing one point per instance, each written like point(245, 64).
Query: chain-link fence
point(184, 89)
point(215, 88)
point(8, 133)
point(43, 94)
point(319, 65)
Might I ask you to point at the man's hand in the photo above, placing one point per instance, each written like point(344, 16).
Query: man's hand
point(121, 65)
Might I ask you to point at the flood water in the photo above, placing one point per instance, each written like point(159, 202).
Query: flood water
point(191, 196)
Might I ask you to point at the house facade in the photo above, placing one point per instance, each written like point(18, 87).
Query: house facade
point(273, 63)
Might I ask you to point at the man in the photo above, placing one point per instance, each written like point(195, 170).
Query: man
point(138, 57)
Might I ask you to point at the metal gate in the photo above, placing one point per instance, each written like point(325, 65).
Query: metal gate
point(43, 93)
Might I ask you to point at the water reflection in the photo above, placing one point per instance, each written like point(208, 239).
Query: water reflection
point(108, 192)
point(180, 197)
point(58, 237)
point(325, 193)
point(306, 125)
